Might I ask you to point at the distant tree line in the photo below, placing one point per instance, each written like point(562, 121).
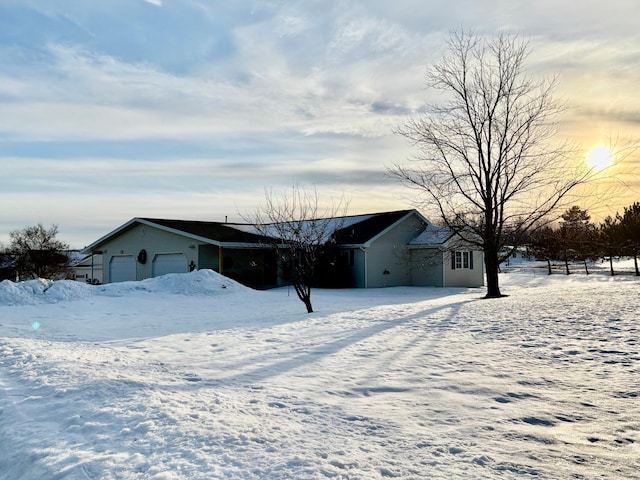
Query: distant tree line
point(578, 240)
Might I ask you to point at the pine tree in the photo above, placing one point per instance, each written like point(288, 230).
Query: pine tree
point(629, 224)
point(611, 239)
point(578, 237)
point(544, 244)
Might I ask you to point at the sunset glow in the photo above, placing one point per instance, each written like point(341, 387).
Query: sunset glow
point(600, 158)
point(192, 109)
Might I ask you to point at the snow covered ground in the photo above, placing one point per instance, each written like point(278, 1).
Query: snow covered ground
point(196, 377)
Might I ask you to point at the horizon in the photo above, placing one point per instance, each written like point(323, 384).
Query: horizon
point(179, 109)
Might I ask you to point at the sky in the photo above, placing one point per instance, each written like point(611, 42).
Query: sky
point(192, 109)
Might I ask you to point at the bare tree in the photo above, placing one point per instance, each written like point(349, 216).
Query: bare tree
point(486, 162)
point(39, 254)
point(300, 232)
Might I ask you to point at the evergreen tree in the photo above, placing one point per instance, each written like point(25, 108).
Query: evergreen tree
point(611, 239)
point(544, 244)
point(629, 224)
point(578, 237)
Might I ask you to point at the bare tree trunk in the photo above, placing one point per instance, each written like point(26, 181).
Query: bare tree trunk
point(549, 265)
point(492, 265)
point(635, 263)
point(611, 265)
point(304, 294)
point(307, 303)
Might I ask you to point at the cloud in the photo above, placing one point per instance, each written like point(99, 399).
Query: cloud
point(293, 68)
point(81, 94)
point(210, 101)
point(613, 115)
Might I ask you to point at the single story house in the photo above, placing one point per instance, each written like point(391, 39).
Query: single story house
point(374, 250)
point(441, 258)
point(515, 256)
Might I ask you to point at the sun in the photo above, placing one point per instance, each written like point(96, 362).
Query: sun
point(600, 158)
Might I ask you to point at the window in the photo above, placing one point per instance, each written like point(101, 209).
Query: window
point(348, 257)
point(462, 259)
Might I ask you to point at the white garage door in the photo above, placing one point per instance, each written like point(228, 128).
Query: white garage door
point(164, 263)
point(122, 268)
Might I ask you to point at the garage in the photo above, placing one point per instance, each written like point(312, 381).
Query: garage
point(164, 263)
point(122, 268)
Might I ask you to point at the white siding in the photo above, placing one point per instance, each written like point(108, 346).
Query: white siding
point(464, 277)
point(151, 239)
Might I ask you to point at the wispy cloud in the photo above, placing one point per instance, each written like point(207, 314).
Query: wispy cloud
point(112, 98)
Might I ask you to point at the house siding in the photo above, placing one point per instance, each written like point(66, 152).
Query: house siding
point(377, 250)
point(426, 267)
point(388, 256)
point(89, 270)
point(151, 239)
point(465, 277)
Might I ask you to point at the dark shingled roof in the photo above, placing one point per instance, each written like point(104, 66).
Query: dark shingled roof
point(362, 232)
point(221, 232)
point(358, 229)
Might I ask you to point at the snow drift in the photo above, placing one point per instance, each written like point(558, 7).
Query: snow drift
point(195, 377)
point(201, 282)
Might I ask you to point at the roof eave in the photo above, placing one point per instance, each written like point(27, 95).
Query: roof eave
point(180, 232)
point(352, 245)
point(92, 247)
point(414, 246)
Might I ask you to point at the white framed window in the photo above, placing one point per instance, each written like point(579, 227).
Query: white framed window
point(462, 259)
